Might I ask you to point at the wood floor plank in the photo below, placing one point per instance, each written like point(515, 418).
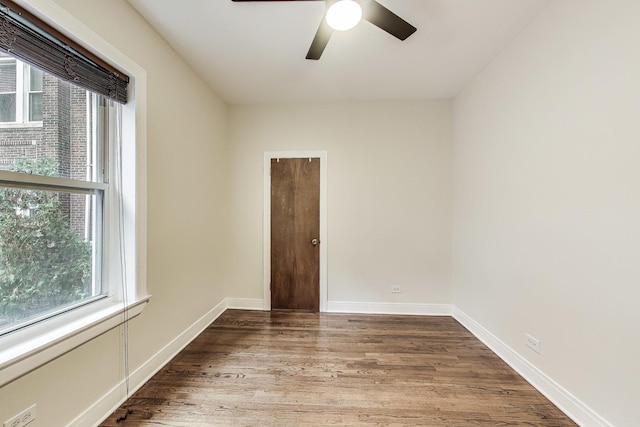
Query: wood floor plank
point(252, 368)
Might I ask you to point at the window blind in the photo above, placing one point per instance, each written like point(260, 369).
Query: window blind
point(25, 36)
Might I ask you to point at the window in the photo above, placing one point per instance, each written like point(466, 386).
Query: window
point(71, 197)
point(51, 230)
point(35, 94)
point(20, 91)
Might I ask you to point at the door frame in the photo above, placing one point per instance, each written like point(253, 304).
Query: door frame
point(266, 227)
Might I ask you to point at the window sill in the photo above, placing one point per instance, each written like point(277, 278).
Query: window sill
point(20, 125)
point(24, 351)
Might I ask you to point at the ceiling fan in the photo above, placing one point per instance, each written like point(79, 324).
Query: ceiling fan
point(369, 10)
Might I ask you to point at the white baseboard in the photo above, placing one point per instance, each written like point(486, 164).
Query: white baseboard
point(565, 401)
point(389, 308)
point(112, 400)
point(245, 303)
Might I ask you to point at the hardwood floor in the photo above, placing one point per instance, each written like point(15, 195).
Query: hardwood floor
point(257, 368)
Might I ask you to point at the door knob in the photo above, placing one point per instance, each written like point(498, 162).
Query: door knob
point(315, 242)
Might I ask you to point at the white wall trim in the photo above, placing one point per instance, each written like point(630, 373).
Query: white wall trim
point(565, 401)
point(266, 226)
point(389, 308)
point(115, 397)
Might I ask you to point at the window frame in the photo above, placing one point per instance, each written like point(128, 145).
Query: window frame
point(27, 349)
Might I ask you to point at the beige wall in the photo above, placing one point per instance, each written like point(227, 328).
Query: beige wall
point(389, 194)
point(187, 134)
point(547, 200)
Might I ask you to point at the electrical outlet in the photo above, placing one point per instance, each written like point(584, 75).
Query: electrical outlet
point(23, 418)
point(532, 343)
point(396, 289)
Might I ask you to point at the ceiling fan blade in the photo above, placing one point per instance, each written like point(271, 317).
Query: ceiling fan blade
point(320, 40)
point(383, 18)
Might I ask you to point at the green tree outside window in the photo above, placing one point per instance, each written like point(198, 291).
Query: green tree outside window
point(44, 263)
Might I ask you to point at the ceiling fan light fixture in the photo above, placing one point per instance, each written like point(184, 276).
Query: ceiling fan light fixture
point(343, 15)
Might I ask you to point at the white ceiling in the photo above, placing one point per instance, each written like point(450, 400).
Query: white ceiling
point(255, 52)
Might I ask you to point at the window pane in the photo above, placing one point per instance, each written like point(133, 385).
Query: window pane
point(35, 79)
point(8, 90)
point(46, 253)
point(35, 106)
point(7, 76)
point(7, 107)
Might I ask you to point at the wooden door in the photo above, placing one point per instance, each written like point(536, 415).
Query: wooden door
point(295, 234)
